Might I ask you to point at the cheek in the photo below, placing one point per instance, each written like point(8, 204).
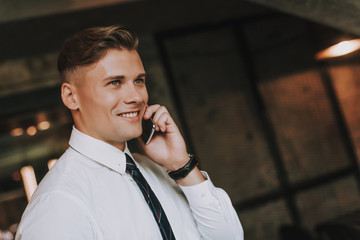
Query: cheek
point(96, 101)
point(85, 99)
point(108, 99)
point(145, 96)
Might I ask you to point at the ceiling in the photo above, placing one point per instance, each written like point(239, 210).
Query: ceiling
point(340, 14)
point(11, 10)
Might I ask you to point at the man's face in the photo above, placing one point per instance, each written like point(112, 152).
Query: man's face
point(112, 98)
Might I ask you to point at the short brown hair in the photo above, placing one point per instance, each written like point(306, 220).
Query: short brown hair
point(90, 45)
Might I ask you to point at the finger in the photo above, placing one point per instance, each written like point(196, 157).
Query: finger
point(150, 110)
point(163, 121)
point(159, 112)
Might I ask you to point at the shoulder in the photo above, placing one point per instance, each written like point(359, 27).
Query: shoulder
point(54, 201)
point(67, 179)
point(54, 215)
point(59, 200)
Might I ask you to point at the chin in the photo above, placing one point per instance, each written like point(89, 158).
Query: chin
point(134, 134)
point(138, 134)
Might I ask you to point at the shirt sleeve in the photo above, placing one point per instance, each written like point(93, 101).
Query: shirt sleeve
point(55, 216)
point(213, 211)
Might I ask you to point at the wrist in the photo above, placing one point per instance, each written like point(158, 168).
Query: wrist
point(193, 178)
point(183, 171)
point(177, 163)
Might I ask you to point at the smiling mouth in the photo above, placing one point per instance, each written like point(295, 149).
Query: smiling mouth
point(129, 114)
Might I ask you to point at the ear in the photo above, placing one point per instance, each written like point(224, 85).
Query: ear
point(68, 96)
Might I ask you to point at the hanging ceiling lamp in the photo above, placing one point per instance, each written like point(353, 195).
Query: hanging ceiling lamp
point(339, 49)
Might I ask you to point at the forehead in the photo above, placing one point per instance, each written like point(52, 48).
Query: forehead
point(126, 63)
point(119, 62)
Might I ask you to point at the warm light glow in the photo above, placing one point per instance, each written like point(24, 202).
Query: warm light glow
point(51, 163)
point(339, 49)
point(29, 180)
point(44, 125)
point(16, 132)
point(16, 176)
point(31, 131)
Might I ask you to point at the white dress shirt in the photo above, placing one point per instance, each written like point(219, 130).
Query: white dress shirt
point(88, 195)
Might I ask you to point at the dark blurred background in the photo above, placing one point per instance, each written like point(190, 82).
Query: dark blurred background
point(274, 127)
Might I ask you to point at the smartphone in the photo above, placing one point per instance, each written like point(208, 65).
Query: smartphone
point(148, 128)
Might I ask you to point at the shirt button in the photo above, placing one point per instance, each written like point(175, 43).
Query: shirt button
point(203, 195)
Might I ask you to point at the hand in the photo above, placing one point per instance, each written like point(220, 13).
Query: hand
point(167, 147)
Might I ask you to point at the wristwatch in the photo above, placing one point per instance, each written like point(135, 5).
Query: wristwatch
point(185, 170)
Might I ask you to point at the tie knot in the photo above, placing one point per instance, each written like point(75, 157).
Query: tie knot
point(130, 164)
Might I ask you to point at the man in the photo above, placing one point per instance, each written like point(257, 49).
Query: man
point(96, 190)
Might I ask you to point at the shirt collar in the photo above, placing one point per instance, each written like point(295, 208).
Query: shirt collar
point(99, 151)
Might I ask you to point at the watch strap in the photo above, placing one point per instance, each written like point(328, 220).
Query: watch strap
point(185, 170)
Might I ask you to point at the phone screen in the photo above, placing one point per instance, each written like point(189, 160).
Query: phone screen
point(148, 128)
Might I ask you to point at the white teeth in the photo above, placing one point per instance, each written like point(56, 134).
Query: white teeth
point(129, 115)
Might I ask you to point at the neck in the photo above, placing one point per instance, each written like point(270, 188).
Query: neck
point(117, 144)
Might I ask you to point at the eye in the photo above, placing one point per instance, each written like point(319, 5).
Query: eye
point(115, 83)
point(139, 81)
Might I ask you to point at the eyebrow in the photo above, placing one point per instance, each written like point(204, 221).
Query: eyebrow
point(121, 77)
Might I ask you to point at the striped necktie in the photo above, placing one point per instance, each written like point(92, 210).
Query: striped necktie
point(151, 199)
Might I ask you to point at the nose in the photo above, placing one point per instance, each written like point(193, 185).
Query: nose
point(133, 94)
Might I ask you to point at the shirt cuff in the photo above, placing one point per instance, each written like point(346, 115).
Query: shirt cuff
point(201, 194)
